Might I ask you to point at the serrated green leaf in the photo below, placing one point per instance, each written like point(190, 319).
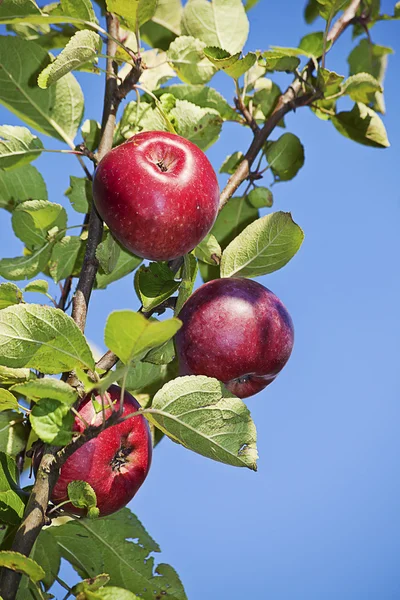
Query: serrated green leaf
point(8, 401)
point(43, 338)
point(47, 387)
point(202, 126)
point(126, 263)
point(203, 96)
point(186, 55)
point(277, 60)
point(202, 415)
point(209, 251)
point(285, 156)
point(18, 146)
point(82, 495)
point(154, 284)
point(9, 294)
point(107, 253)
point(20, 184)
point(11, 8)
point(231, 163)
point(241, 66)
point(80, 194)
point(64, 257)
point(22, 564)
point(81, 9)
point(189, 274)
point(39, 286)
point(222, 23)
point(13, 433)
point(362, 125)
point(158, 70)
point(263, 247)
point(52, 422)
point(10, 376)
point(133, 13)
point(33, 219)
point(129, 335)
point(82, 48)
point(220, 58)
point(260, 197)
point(164, 26)
point(360, 87)
point(25, 267)
point(56, 111)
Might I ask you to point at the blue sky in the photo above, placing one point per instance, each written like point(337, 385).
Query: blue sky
point(320, 518)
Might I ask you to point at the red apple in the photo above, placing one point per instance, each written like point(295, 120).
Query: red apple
point(237, 331)
point(158, 194)
point(115, 463)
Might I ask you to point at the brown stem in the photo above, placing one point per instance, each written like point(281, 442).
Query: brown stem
point(242, 108)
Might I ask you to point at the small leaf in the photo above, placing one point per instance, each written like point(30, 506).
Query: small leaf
point(241, 66)
point(10, 376)
point(329, 8)
point(52, 422)
point(13, 434)
point(128, 334)
point(25, 267)
point(162, 355)
point(263, 247)
point(81, 9)
point(203, 96)
point(81, 49)
point(277, 60)
point(47, 387)
point(8, 401)
point(126, 263)
point(9, 294)
point(164, 26)
point(11, 504)
point(201, 126)
point(186, 54)
point(285, 156)
point(20, 184)
point(92, 584)
point(221, 59)
point(362, 125)
point(43, 338)
point(107, 253)
point(22, 564)
point(91, 132)
point(64, 257)
point(260, 197)
point(132, 14)
point(82, 495)
point(154, 284)
point(80, 193)
point(18, 146)
point(209, 251)
point(33, 219)
point(39, 286)
point(202, 415)
point(189, 274)
point(231, 163)
point(360, 87)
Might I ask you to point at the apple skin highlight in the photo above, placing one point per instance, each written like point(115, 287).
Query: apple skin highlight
point(158, 194)
point(237, 331)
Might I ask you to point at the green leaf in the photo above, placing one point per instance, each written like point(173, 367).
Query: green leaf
point(33, 219)
point(20, 184)
point(220, 58)
point(241, 66)
point(285, 156)
point(47, 387)
point(154, 284)
point(133, 13)
point(360, 87)
point(81, 49)
point(186, 54)
point(13, 434)
point(122, 544)
point(222, 23)
point(20, 563)
point(80, 9)
point(202, 415)
point(260, 197)
point(111, 593)
point(47, 555)
point(107, 253)
point(91, 132)
point(263, 247)
point(43, 338)
point(202, 126)
point(329, 8)
point(39, 286)
point(277, 60)
point(11, 504)
point(52, 422)
point(231, 163)
point(164, 26)
point(158, 70)
point(64, 257)
point(237, 214)
point(18, 146)
point(82, 495)
point(25, 267)
point(9, 294)
point(126, 263)
point(92, 584)
point(57, 111)
point(372, 59)
point(312, 44)
point(128, 334)
point(9, 376)
point(330, 83)
point(11, 8)
point(8, 401)
point(209, 251)
point(362, 125)
point(311, 11)
point(203, 96)
point(189, 274)
point(143, 374)
point(80, 194)
point(162, 355)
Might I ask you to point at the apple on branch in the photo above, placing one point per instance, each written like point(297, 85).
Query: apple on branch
point(237, 331)
point(158, 194)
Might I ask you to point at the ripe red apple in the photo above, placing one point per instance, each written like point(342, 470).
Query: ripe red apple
point(237, 331)
point(158, 194)
point(115, 463)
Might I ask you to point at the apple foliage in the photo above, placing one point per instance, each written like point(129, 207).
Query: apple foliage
point(190, 43)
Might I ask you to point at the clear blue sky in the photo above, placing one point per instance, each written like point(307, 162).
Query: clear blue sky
point(320, 518)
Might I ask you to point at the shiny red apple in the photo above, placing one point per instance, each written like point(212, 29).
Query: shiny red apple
point(158, 194)
point(237, 331)
point(116, 462)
